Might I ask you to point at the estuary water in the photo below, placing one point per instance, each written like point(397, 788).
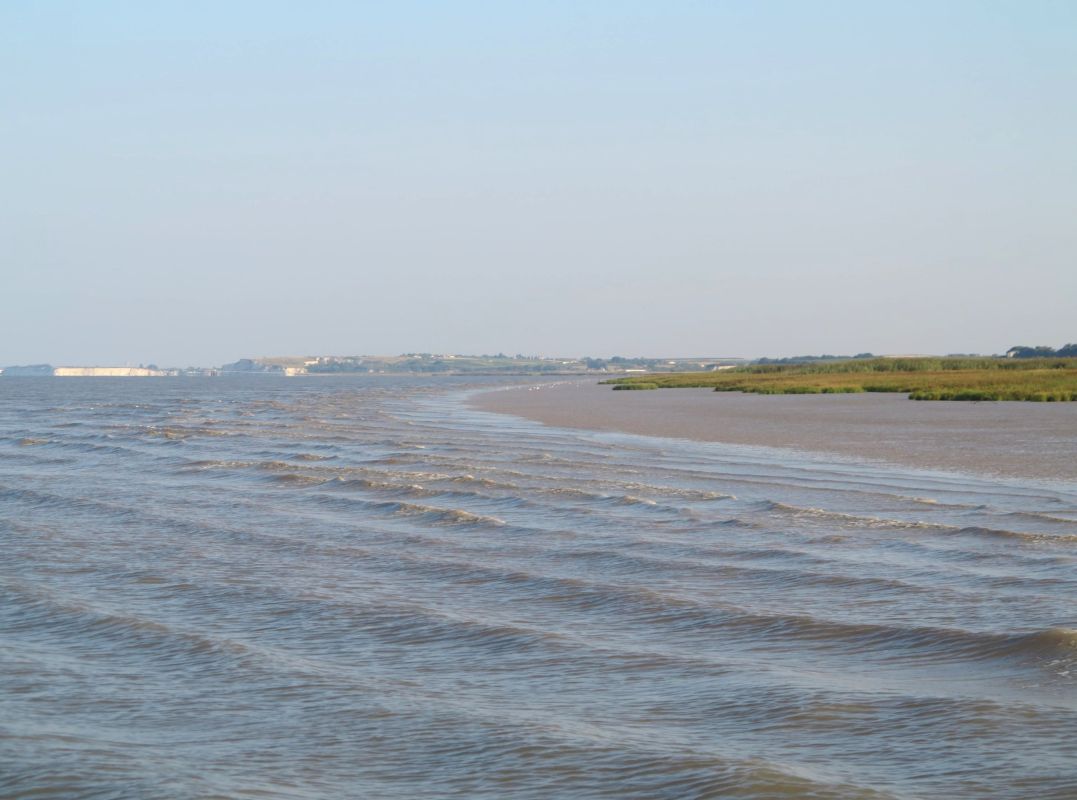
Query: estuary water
point(364, 587)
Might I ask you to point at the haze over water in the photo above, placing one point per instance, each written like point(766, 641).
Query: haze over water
point(366, 588)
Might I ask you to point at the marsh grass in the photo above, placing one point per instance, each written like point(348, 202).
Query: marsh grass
point(970, 379)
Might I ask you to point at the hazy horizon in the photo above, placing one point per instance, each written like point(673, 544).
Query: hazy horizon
point(189, 184)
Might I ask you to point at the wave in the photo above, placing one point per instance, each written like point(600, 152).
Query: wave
point(485, 482)
point(431, 514)
point(898, 643)
point(44, 499)
point(88, 624)
point(96, 449)
point(210, 463)
point(860, 520)
point(1005, 533)
point(312, 457)
point(942, 504)
point(674, 491)
point(654, 612)
point(737, 522)
point(447, 516)
point(179, 432)
point(641, 609)
point(295, 479)
point(873, 522)
point(518, 497)
point(414, 491)
point(1042, 516)
point(1049, 643)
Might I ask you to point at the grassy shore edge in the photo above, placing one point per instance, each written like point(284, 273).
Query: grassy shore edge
point(960, 379)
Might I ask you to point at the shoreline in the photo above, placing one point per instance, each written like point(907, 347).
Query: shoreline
point(1009, 440)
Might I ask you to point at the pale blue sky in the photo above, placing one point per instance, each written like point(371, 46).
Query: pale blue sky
point(188, 183)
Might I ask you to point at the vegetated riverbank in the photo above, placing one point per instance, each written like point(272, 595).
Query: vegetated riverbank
point(1033, 379)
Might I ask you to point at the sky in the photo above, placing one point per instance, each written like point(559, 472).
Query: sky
point(188, 183)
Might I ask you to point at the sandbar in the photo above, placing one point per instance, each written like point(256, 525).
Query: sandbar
point(1009, 439)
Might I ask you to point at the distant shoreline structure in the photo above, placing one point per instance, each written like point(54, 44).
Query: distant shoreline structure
point(49, 371)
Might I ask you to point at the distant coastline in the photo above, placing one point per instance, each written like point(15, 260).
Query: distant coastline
point(1023, 373)
point(406, 364)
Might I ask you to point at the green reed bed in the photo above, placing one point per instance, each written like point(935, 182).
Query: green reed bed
point(970, 379)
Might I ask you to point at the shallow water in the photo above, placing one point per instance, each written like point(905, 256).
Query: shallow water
point(364, 588)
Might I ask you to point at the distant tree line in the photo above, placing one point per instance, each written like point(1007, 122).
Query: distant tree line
point(1042, 351)
point(338, 366)
point(620, 361)
point(810, 359)
point(425, 363)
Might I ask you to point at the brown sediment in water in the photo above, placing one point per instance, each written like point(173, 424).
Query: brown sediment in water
point(1006, 439)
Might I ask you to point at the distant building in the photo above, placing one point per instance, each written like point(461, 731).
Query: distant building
point(251, 366)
